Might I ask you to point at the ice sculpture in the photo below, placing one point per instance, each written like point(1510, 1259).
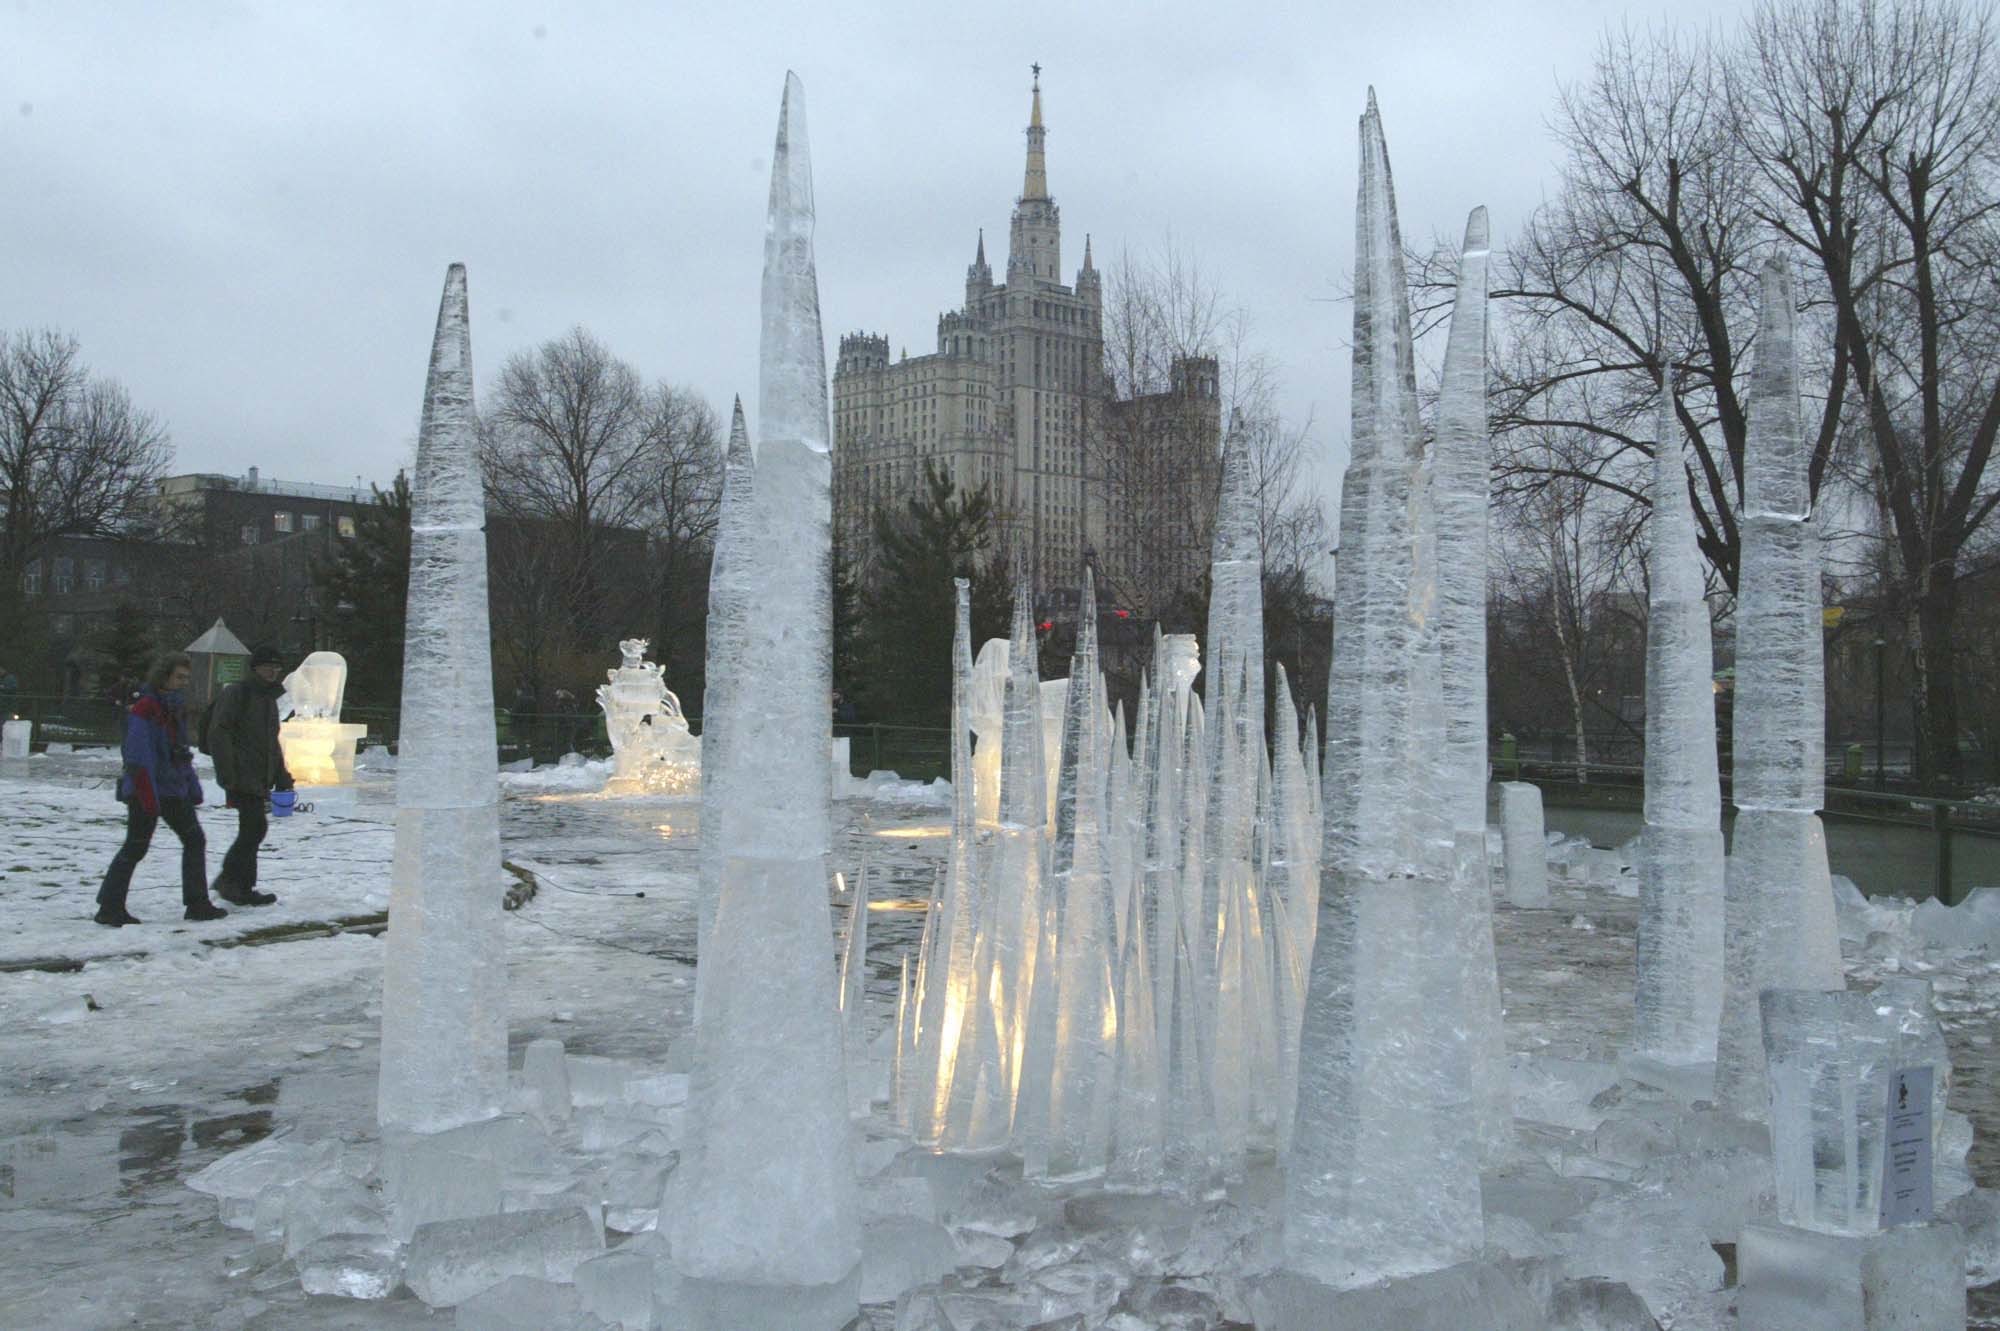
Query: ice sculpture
point(1377, 1179)
point(1055, 702)
point(319, 750)
point(948, 990)
point(766, 1229)
point(729, 595)
point(1855, 1080)
point(989, 702)
point(1460, 464)
point(444, 974)
point(1834, 1058)
point(1086, 1000)
point(1679, 980)
point(652, 749)
point(1522, 846)
point(1779, 918)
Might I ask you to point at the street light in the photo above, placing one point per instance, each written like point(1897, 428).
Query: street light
point(1881, 776)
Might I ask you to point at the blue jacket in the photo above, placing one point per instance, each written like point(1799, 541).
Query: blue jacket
point(158, 763)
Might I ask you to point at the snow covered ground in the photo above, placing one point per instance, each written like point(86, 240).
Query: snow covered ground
point(165, 1051)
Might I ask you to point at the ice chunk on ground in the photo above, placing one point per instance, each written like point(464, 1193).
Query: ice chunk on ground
point(595, 1081)
point(1596, 1304)
point(898, 1195)
point(237, 1178)
point(899, 1253)
point(1561, 1091)
point(632, 1189)
point(523, 1303)
point(1970, 925)
point(1647, 1241)
point(330, 1202)
point(1977, 1214)
point(1493, 1296)
point(1526, 851)
point(352, 1266)
point(451, 1260)
point(1800, 1280)
point(545, 1072)
point(464, 1171)
point(617, 1287)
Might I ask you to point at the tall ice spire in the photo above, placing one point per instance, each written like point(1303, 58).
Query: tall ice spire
point(767, 1231)
point(444, 977)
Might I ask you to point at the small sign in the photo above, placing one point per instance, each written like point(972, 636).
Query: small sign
point(228, 669)
point(1906, 1155)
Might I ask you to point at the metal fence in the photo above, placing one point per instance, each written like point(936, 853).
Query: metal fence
point(917, 752)
point(923, 753)
point(1949, 824)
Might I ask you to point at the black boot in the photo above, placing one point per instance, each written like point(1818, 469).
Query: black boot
point(114, 918)
point(206, 910)
point(250, 898)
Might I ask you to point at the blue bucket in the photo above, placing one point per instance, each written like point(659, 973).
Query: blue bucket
point(281, 803)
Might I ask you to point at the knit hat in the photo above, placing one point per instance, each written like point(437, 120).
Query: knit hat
point(264, 654)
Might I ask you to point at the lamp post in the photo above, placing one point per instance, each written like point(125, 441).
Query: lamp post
point(1881, 773)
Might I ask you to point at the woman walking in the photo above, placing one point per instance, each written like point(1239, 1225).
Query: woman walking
point(159, 782)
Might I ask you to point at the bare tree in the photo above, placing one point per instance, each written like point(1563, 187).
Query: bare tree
point(683, 452)
point(1876, 129)
point(1566, 561)
point(77, 458)
point(1180, 371)
point(1859, 137)
point(606, 494)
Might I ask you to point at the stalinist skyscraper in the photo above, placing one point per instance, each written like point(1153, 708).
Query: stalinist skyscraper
point(1016, 398)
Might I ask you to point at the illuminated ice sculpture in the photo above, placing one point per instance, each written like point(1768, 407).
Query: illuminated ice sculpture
point(319, 750)
point(652, 749)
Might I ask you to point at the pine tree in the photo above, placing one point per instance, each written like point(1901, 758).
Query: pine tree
point(124, 645)
point(905, 629)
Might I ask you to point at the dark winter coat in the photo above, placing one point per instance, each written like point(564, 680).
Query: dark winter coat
point(248, 759)
point(159, 765)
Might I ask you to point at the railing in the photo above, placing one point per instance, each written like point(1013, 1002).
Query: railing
point(923, 753)
point(1947, 821)
point(918, 752)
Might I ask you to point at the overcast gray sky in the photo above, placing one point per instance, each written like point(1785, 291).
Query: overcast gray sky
point(245, 209)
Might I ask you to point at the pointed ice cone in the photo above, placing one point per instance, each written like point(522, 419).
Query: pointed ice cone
point(1085, 1067)
point(767, 1229)
point(854, 998)
point(1779, 922)
point(1462, 468)
point(444, 976)
point(1678, 982)
point(1382, 1178)
point(1460, 472)
point(730, 594)
point(1367, 709)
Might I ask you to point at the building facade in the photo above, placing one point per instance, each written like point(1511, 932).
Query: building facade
point(1015, 398)
point(243, 547)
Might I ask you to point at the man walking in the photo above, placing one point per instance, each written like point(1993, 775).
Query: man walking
point(249, 765)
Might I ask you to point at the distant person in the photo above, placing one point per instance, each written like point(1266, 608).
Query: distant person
point(249, 765)
point(843, 710)
point(10, 689)
point(159, 782)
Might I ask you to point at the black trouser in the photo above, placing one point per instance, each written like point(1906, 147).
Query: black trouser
point(238, 877)
point(139, 826)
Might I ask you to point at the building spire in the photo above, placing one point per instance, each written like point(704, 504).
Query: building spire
point(1036, 184)
point(1087, 265)
point(979, 259)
